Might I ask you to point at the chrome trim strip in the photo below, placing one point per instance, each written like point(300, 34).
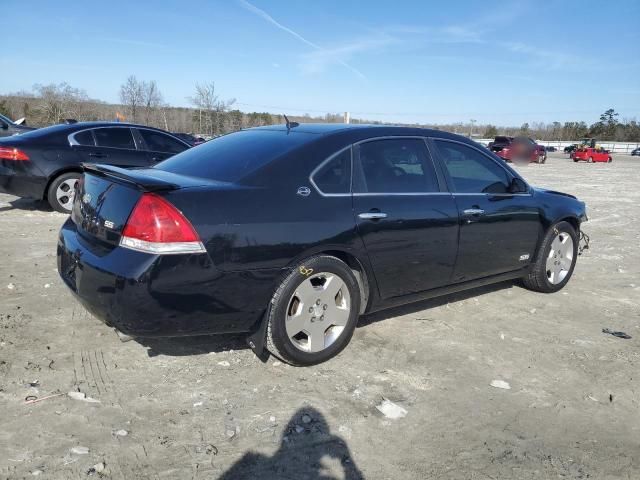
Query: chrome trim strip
point(402, 194)
point(323, 163)
point(73, 142)
point(492, 194)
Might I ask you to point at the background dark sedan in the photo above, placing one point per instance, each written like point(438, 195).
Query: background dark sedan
point(9, 128)
point(292, 233)
point(45, 163)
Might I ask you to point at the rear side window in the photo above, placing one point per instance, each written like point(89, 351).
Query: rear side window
point(114, 138)
point(335, 175)
point(471, 171)
point(159, 142)
point(234, 156)
point(84, 138)
point(395, 166)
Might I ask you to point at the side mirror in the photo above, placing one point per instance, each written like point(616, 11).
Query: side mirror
point(4, 125)
point(517, 186)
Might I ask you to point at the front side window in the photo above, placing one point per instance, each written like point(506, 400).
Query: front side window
point(114, 138)
point(335, 175)
point(471, 171)
point(159, 142)
point(396, 166)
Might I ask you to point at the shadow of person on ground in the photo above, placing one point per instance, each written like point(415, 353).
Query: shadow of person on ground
point(308, 451)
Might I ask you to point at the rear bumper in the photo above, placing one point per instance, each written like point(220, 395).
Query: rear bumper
point(148, 295)
point(21, 185)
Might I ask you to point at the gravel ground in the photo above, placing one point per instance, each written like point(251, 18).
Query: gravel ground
point(207, 408)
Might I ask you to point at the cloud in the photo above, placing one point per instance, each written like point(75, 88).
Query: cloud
point(334, 54)
point(551, 59)
point(136, 43)
point(319, 60)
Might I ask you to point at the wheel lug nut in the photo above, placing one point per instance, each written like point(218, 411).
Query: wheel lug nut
point(325, 306)
point(310, 309)
point(321, 317)
point(313, 319)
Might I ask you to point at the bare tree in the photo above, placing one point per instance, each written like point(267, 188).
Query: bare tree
point(151, 99)
point(58, 102)
point(131, 95)
point(210, 108)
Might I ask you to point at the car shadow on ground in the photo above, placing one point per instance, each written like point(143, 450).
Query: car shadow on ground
point(415, 307)
point(27, 204)
point(198, 345)
point(308, 450)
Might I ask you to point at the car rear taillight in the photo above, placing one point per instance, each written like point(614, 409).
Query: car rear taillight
point(11, 153)
point(156, 226)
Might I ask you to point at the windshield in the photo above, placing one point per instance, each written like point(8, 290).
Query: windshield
point(232, 157)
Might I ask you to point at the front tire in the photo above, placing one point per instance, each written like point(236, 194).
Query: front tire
point(555, 261)
point(314, 312)
point(62, 191)
point(590, 160)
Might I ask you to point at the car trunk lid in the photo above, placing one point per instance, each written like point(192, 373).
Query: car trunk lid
point(107, 195)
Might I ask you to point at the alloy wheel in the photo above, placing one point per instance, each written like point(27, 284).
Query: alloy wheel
point(318, 312)
point(66, 192)
point(560, 258)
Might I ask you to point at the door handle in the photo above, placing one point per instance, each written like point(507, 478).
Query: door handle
point(473, 211)
point(372, 216)
point(157, 159)
point(98, 155)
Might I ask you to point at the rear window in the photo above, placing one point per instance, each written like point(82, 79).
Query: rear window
point(502, 140)
point(232, 157)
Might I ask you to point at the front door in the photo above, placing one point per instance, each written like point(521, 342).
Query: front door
point(499, 227)
point(159, 146)
point(408, 223)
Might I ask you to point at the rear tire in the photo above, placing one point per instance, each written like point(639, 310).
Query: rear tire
point(590, 160)
point(297, 330)
point(62, 191)
point(555, 261)
point(610, 160)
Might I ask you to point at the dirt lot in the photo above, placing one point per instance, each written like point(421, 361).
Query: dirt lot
point(206, 407)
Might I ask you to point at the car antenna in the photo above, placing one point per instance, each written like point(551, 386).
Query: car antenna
point(290, 124)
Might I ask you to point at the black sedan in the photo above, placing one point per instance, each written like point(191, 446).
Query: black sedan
point(9, 128)
point(635, 152)
point(46, 163)
point(290, 234)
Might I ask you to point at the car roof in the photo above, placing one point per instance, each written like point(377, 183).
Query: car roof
point(332, 128)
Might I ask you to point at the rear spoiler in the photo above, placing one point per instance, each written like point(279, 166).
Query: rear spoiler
point(141, 178)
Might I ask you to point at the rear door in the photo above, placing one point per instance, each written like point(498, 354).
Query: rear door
point(499, 230)
point(110, 145)
point(406, 218)
point(158, 145)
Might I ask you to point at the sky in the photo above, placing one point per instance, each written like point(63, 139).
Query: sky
point(499, 62)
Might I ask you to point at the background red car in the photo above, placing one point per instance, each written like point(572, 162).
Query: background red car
point(591, 155)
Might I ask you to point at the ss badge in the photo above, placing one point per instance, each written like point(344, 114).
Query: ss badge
point(108, 224)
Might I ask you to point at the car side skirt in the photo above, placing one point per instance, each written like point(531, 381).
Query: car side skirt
point(449, 289)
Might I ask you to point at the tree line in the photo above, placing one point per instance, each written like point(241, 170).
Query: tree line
point(141, 101)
